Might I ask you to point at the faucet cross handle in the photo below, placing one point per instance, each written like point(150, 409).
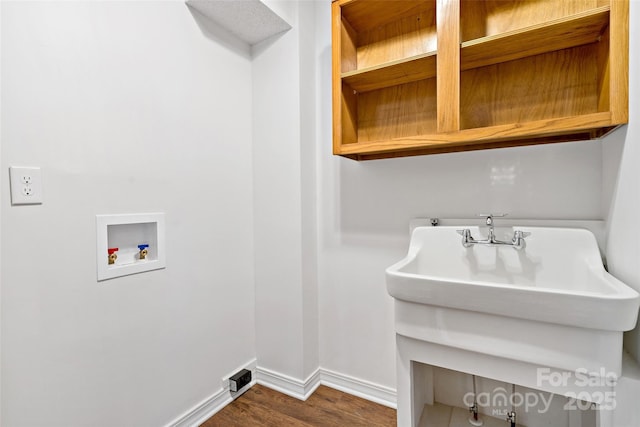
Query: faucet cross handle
point(466, 237)
point(518, 241)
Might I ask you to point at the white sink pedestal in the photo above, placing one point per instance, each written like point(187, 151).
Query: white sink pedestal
point(416, 357)
point(525, 317)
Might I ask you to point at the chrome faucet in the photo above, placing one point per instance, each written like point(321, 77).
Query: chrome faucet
point(489, 222)
point(517, 242)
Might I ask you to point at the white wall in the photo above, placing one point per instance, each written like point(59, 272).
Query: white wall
point(621, 157)
point(308, 180)
point(284, 189)
point(1, 186)
point(137, 107)
point(365, 209)
point(127, 107)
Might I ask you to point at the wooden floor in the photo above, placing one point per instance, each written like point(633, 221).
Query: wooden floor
point(261, 406)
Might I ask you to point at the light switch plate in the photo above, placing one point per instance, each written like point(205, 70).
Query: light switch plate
point(26, 185)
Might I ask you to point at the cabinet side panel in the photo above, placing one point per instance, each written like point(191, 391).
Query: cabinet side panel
point(348, 52)
point(336, 81)
point(448, 65)
point(619, 61)
point(604, 74)
point(349, 115)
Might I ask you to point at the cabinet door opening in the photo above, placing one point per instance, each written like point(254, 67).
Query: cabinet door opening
point(563, 83)
point(493, 17)
point(380, 32)
point(397, 111)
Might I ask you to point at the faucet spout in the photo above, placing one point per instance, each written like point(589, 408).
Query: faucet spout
point(491, 237)
point(489, 222)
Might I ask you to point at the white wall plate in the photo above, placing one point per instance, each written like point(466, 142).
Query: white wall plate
point(26, 185)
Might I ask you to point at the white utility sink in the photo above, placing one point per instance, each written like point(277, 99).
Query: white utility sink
point(551, 303)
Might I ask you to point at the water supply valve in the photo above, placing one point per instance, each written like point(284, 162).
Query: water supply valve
point(112, 255)
point(143, 251)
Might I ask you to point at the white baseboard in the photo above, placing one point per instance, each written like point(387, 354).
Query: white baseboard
point(303, 389)
point(203, 411)
point(365, 389)
point(214, 403)
point(290, 386)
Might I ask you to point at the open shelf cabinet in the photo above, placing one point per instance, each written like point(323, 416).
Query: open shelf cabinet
point(413, 77)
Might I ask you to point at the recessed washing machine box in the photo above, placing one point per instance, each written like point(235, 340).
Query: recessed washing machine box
point(129, 244)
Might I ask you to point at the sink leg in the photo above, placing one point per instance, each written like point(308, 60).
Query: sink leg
point(415, 387)
point(403, 392)
point(422, 379)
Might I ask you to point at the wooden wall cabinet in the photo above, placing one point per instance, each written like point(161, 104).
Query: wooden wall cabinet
point(413, 77)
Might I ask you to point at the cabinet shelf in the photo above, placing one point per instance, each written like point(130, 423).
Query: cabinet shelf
point(564, 33)
point(392, 73)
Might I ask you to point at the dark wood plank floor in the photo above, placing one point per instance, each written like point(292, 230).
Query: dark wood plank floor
point(261, 406)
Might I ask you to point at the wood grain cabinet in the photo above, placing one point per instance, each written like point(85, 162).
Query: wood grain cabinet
point(413, 77)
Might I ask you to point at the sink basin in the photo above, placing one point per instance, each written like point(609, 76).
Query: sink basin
point(551, 303)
